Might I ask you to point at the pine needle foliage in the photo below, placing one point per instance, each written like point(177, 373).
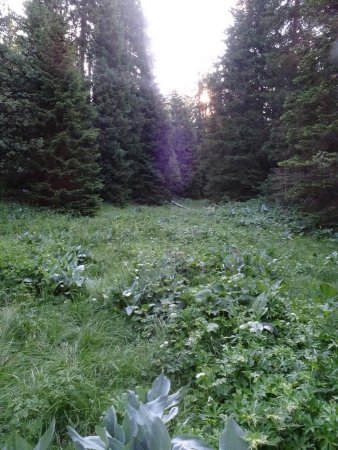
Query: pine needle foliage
point(59, 161)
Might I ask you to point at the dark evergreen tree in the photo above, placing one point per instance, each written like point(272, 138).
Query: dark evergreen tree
point(309, 178)
point(59, 155)
point(287, 32)
point(201, 114)
point(129, 108)
point(112, 97)
point(165, 159)
point(83, 15)
point(15, 107)
point(183, 141)
point(239, 126)
point(147, 186)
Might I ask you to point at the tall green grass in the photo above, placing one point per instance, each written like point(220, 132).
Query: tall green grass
point(71, 355)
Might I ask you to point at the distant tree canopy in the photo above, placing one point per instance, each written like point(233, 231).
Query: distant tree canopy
point(81, 118)
point(79, 107)
point(273, 121)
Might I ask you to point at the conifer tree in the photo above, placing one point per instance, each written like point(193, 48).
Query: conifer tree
point(166, 162)
point(112, 97)
point(201, 114)
point(288, 31)
point(238, 126)
point(147, 186)
point(60, 167)
point(183, 141)
point(128, 105)
point(82, 16)
point(15, 108)
point(309, 178)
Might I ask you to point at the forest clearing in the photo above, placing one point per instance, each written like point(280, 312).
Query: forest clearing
point(200, 281)
point(168, 224)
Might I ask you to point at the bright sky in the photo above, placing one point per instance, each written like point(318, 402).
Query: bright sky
point(186, 38)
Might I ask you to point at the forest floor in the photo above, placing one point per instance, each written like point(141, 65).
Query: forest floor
point(237, 302)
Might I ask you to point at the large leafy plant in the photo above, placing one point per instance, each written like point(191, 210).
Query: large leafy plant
point(62, 274)
point(144, 426)
point(156, 289)
point(16, 442)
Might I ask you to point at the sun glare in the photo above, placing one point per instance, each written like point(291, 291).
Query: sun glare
point(205, 97)
point(186, 38)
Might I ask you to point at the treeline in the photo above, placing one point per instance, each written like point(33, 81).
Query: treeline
point(273, 116)
point(81, 118)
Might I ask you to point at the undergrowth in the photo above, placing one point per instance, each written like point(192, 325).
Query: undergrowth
point(235, 302)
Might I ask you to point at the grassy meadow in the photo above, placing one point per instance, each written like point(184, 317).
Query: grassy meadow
point(238, 303)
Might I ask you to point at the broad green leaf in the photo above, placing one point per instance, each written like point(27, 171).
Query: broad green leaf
point(129, 426)
point(157, 406)
point(77, 275)
point(132, 413)
point(140, 442)
point(130, 310)
point(47, 438)
point(269, 327)
point(119, 434)
point(103, 434)
point(174, 399)
point(114, 444)
point(28, 280)
point(16, 442)
point(328, 291)
point(257, 327)
point(232, 437)
point(90, 442)
point(186, 442)
point(110, 423)
point(132, 400)
point(212, 327)
point(160, 439)
point(153, 430)
point(171, 414)
point(160, 386)
point(160, 404)
point(259, 306)
point(203, 295)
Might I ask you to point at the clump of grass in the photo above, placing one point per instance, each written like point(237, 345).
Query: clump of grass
point(67, 361)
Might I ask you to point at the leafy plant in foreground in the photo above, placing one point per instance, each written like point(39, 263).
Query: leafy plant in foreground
point(15, 442)
point(143, 426)
point(63, 274)
point(156, 290)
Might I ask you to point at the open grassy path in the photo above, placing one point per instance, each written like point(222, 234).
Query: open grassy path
point(67, 348)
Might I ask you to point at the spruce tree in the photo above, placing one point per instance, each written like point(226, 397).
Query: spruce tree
point(238, 126)
point(309, 178)
point(183, 140)
point(288, 31)
point(128, 105)
point(165, 159)
point(147, 185)
point(112, 97)
point(82, 17)
point(200, 118)
point(15, 107)
point(61, 169)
